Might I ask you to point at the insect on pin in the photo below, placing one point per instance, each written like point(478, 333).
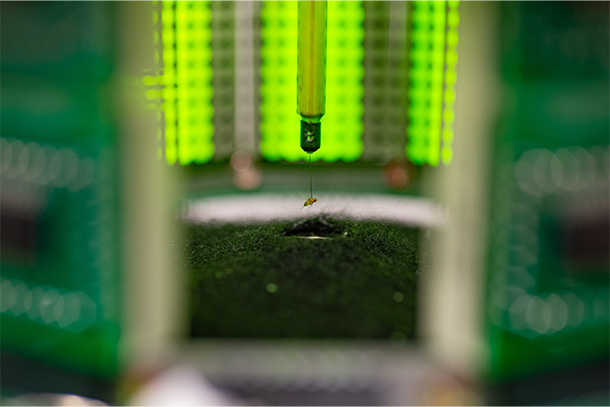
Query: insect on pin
point(310, 201)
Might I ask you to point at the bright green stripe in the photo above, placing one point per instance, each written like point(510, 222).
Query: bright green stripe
point(168, 81)
point(342, 123)
point(453, 19)
point(437, 40)
point(187, 74)
point(427, 55)
point(418, 92)
point(182, 79)
point(280, 124)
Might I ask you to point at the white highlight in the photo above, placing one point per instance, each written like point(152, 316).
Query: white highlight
point(268, 207)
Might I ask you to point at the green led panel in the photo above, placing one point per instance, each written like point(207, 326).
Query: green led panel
point(453, 19)
point(432, 63)
point(187, 82)
point(342, 123)
point(280, 123)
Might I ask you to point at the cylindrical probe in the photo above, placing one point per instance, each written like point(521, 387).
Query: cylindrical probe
point(311, 74)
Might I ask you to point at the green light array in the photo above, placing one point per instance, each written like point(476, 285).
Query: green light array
point(279, 119)
point(342, 123)
point(432, 81)
point(453, 20)
point(187, 82)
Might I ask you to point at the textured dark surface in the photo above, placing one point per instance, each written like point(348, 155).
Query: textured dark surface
point(266, 281)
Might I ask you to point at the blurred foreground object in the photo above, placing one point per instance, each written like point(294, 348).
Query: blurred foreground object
point(180, 386)
point(520, 294)
point(82, 207)
point(50, 399)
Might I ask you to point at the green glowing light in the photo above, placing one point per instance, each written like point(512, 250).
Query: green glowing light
point(433, 56)
point(342, 123)
point(280, 124)
point(453, 19)
point(187, 87)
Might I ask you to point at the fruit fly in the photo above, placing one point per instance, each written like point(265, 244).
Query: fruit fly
point(310, 201)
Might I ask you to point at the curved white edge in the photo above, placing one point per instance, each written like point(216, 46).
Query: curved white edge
point(273, 207)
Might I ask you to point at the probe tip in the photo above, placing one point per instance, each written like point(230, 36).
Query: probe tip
point(310, 136)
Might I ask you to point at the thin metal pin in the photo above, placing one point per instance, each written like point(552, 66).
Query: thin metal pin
point(310, 183)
